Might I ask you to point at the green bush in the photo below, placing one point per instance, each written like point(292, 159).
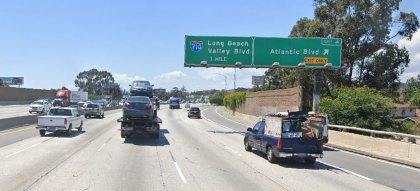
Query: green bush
point(233, 101)
point(415, 99)
point(216, 98)
point(360, 107)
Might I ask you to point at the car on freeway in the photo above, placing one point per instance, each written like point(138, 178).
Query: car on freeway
point(141, 88)
point(138, 107)
point(187, 106)
point(290, 136)
point(39, 106)
point(95, 110)
point(194, 112)
point(60, 119)
point(103, 103)
point(113, 103)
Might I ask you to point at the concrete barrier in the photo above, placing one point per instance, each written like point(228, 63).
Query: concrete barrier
point(10, 123)
point(392, 150)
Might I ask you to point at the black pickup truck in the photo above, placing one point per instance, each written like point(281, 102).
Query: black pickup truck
point(287, 136)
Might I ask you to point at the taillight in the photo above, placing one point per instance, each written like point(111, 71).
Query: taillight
point(126, 105)
point(321, 143)
point(279, 144)
point(65, 121)
point(148, 106)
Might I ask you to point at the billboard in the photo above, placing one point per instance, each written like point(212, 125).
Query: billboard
point(12, 80)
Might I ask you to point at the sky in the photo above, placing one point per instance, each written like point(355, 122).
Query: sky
point(49, 42)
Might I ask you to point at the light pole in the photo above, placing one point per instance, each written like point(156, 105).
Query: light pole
point(225, 80)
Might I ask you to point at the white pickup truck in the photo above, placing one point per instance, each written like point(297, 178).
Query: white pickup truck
point(62, 119)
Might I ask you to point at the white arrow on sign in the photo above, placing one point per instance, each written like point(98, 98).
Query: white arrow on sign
point(326, 51)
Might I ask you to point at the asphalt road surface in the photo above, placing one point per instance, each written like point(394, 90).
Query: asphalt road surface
point(191, 154)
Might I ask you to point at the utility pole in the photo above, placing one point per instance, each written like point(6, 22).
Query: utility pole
point(234, 80)
point(317, 91)
point(225, 80)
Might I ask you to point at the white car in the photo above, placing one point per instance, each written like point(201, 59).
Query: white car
point(40, 106)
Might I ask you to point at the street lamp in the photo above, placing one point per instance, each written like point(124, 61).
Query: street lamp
point(225, 80)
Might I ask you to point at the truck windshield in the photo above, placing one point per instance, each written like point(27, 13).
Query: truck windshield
point(37, 103)
point(291, 126)
point(60, 112)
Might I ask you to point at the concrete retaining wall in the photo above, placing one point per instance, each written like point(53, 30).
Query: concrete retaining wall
point(398, 151)
point(9, 94)
point(265, 102)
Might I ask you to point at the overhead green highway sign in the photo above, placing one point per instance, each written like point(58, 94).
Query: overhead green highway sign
point(261, 52)
point(293, 52)
point(217, 51)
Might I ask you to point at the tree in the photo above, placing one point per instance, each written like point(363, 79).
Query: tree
point(64, 88)
point(358, 106)
point(1, 83)
point(95, 82)
point(413, 84)
point(216, 98)
point(370, 57)
point(415, 99)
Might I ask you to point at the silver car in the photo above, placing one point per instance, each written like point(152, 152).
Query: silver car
point(94, 109)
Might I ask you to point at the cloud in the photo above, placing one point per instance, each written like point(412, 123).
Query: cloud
point(413, 48)
point(124, 80)
point(169, 76)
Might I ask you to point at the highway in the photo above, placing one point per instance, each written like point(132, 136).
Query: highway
point(9, 111)
point(191, 154)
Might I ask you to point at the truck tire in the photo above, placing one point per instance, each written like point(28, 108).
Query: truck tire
point(103, 115)
point(123, 135)
point(270, 155)
point(43, 110)
point(42, 132)
point(247, 146)
point(68, 132)
point(310, 160)
point(86, 116)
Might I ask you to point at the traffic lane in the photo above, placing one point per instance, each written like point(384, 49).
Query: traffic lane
point(393, 175)
point(14, 111)
point(381, 172)
point(27, 161)
point(286, 175)
point(21, 132)
point(113, 163)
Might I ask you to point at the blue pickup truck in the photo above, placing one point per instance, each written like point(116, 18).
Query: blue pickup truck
point(290, 136)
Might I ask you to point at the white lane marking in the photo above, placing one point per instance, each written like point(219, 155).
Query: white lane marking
point(376, 159)
point(19, 151)
point(217, 112)
point(231, 150)
point(16, 131)
point(348, 171)
point(100, 148)
point(180, 172)
point(204, 116)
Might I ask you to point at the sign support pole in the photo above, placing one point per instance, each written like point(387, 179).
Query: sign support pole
point(316, 91)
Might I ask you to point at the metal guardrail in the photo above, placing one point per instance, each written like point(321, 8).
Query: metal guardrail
point(374, 132)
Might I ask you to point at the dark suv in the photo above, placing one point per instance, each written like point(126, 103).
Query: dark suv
point(194, 112)
point(141, 88)
point(138, 107)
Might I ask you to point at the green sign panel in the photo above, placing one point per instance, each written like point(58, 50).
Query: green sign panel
point(260, 52)
point(212, 51)
point(292, 52)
